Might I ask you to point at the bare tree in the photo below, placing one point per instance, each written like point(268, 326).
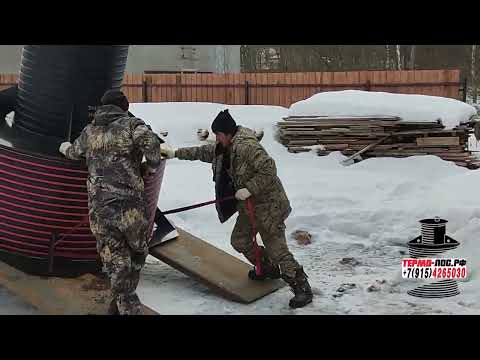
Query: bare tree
point(412, 57)
point(387, 62)
point(399, 60)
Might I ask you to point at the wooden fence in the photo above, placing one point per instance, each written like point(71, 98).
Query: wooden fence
point(279, 88)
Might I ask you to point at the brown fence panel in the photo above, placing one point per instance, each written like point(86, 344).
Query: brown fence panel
point(7, 80)
point(277, 88)
point(132, 87)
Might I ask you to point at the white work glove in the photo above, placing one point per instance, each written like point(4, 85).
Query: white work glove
point(64, 147)
point(166, 151)
point(242, 194)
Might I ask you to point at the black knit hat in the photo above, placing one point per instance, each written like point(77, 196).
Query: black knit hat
point(115, 97)
point(224, 123)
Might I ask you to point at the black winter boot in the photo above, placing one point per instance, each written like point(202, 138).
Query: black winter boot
point(301, 288)
point(269, 270)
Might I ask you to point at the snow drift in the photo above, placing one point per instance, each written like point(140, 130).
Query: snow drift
point(409, 107)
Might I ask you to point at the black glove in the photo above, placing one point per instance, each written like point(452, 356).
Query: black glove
point(146, 170)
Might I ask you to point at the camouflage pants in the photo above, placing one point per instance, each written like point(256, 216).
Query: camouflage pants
point(121, 233)
point(269, 222)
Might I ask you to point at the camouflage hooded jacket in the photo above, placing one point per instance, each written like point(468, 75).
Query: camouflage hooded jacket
point(113, 146)
point(249, 166)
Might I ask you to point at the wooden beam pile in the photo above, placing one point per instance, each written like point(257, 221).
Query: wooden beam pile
point(351, 134)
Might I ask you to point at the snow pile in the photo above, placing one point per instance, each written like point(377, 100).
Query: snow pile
point(368, 211)
point(409, 107)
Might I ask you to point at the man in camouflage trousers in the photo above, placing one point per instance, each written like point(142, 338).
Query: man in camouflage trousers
point(238, 153)
point(113, 145)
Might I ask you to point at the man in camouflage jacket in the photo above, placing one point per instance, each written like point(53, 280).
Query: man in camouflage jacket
point(113, 145)
point(238, 155)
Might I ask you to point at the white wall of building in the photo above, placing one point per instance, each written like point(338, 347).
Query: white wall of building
point(205, 58)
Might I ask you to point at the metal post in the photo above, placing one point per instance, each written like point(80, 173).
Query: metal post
point(144, 91)
point(465, 90)
point(69, 125)
point(367, 85)
point(51, 247)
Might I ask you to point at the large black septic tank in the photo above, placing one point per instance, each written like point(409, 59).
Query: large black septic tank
point(59, 81)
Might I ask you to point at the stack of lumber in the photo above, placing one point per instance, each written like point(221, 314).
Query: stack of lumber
point(351, 134)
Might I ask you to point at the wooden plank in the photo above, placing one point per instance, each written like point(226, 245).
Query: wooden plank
point(318, 81)
point(203, 93)
point(303, 142)
point(238, 89)
point(173, 93)
point(296, 92)
point(200, 90)
point(148, 87)
point(288, 91)
point(320, 117)
point(179, 91)
point(406, 77)
point(439, 76)
point(190, 89)
point(195, 89)
point(224, 81)
point(435, 141)
point(84, 295)
point(353, 78)
point(132, 87)
point(217, 91)
point(213, 267)
point(277, 78)
point(328, 80)
point(265, 90)
point(379, 77)
point(229, 92)
point(251, 80)
point(453, 91)
point(340, 77)
point(395, 154)
point(259, 91)
point(306, 91)
point(363, 77)
point(165, 93)
point(336, 146)
point(186, 89)
point(154, 92)
point(207, 80)
point(282, 91)
point(311, 79)
point(424, 76)
point(269, 89)
point(158, 94)
point(397, 78)
point(183, 88)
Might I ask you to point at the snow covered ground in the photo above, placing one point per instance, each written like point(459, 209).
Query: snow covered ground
point(12, 305)
point(368, 211)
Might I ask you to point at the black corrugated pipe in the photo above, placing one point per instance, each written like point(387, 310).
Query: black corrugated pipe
point(55, 80)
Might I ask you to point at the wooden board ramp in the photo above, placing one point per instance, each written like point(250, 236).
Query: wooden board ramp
point(218, 270)
point(89, 294)
point(84, 295)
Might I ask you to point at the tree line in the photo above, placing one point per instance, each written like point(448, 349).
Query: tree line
point(305, 58)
